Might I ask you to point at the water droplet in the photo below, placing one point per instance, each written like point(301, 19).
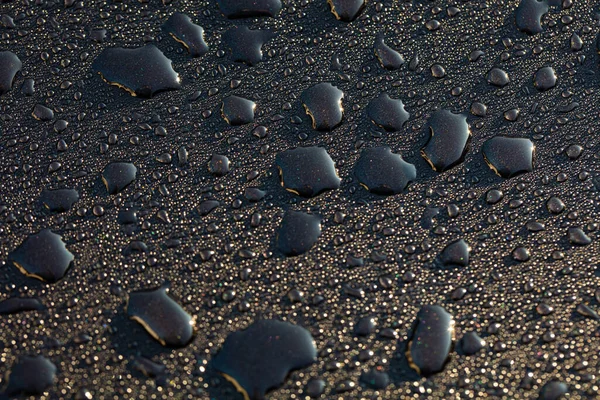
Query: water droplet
point(161, 316)
point(9, 66)
point(323, 102)
point(298, 233)
point(544, 78)
point(553, 390)
point(190, 35)
point(470, 344)
point(237, 110)
point(218, 165)
point(307, 171)
point(456, 254)
point(508, 156)
point(387, 112)
point(59, 200)
point(528, 15)
point(260, 357)
point(42, 113)
point(15, 305)
point(388, 57)
point(382, 172)
point(43, 256)
point(447, 145)
point(346, 10)
point(375, 379)
point(249, 8)
point(578, 237)
point(142, 72)
point(31, 376)
point(245, 44)
point(498, 77)
point(431, 340)
point(117, 176)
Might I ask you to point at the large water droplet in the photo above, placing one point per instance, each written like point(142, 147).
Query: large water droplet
point(142, 72)
point(59, 200)
point(387, 112)
point(237, 110)
point(260, 357)
point(9, 66)
point(161, 316)
point(43, 256)
point(447, 145)
point(249, 8)
point(508, 156)
point(388, 57)
point(20, 304)
point(431, 340)
point(544, 78)
point(190, 35)
point(382, 172)
point(323, 102)
point(245, 44)
point(346, 10)
point(31, 376)
point(298, 232)
point(528, 15)
point(307, 171)
point(117, 176)
point(456, 253)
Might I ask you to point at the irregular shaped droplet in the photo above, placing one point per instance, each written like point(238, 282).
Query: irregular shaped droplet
point(307, 171)
point(9, 66)
point(508, 156)
point(117, 176)
point(388, 113)
point(388, 57)
point(375, 379)
point(456, 254)
point(471, 343)
point(42, 113)
point(237, 110)
point(59, 200)
point(191, 36)
point(431, 340)
point(298, 233)
point(447, 145)
point(245, 44)
point(554, 390)
point(578, 237)
point(218, 165)
point(249, 8)
point(260, 357)
point(498, 77)
point(382, 172)
point(142, 72)
point(528, 15)
point(544, 78)
point(323, 102)
point(164, 319)
point(346, 10)
point(31, 376)
point(15, 305)
point(43, 256)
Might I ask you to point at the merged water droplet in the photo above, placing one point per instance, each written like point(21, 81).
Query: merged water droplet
point(298, 233)
point(15, 305)
point(260, 357)
point(31, 376)
point(382, 172)
point(388, 57)
point(447, 145)
point(508, 156)
point(431, 340)
point(164, 319)
point(237, 110)
point(544, 78)
point(190, 35)
point(142, 72)
point(323, 102)
point(9, 66)
point(346, 10)
point(117, 176)
point(245, 44)
point(528, 15)
point(43, 256)
point(59, 200)
point(456, 254)
point(307, 171)
point(249, 8)
point(387, 112)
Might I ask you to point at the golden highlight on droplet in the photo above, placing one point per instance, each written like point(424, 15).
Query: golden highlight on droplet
point(131, 92)
point(236, 385)
point(27, 273)
point(283, 184)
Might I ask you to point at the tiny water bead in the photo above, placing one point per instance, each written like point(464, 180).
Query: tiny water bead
point(382, 172)
point(298, 233)
point(142, 71)
point(388, 57)
point(190, 35)
point(249, 8)
point(117, 176)
point(164, 319)
point(307, 171)
point(31, 375)
point(508, 156)
point(43, 256)
point(10, 64)
point(237, 110)
point(431, 340)
point(388, 113)
point(245, 44)
point(447, 145)
point(323, 103)
point(260, 357)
